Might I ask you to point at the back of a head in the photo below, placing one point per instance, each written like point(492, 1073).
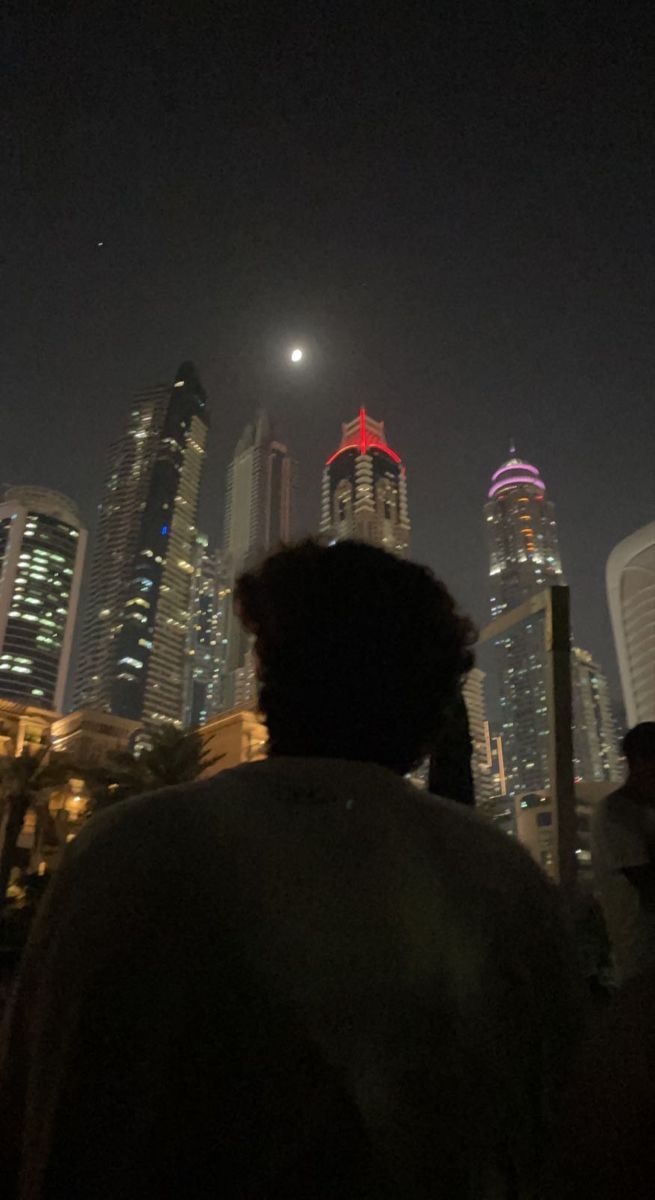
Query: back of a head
point(639, 744)
point(358, 651)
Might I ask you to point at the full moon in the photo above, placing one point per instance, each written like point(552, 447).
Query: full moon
point(296, 355)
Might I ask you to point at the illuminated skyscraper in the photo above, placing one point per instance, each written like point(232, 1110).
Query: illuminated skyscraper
point(523, 559)
point(131, 460)
point(205, 651)
point(595, 743)
point(365, 489)
point(473, 691)
point(258, 517)
point(631, 597)
point(134, 644)
point(42, 544)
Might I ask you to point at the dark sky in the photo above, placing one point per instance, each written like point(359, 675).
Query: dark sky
point(451, 207)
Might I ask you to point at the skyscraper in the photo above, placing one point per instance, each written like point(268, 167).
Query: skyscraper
point(125, 491)
point(473, 691)
point(595, 745)
point(631, 598)
point(258, 516)
point(365, 489)
point(134, 644)
point(204, 670)
point(42, 545)
point(523, 559)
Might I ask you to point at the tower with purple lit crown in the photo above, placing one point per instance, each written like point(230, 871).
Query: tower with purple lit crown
point(365, 489)
point(524, 558)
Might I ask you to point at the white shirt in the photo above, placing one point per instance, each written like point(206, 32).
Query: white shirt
point(622, 832)
point(296, 965)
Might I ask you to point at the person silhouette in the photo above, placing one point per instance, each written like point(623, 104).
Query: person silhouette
point(304, 976)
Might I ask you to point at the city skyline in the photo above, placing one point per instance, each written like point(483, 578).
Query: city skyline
point(132, 456)
point(471, 262)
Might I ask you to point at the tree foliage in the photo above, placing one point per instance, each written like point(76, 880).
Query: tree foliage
point(26, 782)
point(173, 757)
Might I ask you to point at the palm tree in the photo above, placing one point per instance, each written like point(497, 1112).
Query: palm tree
point(25, 782)
point(174, 756)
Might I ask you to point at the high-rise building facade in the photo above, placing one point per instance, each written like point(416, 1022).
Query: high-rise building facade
point(595, 744)
point(148, 681)
point(127, 481)
point(473, 692)
point(135, 639)
point(364, 492)
point(258, 517)
point(42, 545)
point(524, 558)
point(631, 598)
point(205, 651)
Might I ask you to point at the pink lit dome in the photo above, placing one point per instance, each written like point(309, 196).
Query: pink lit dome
point(515, 473)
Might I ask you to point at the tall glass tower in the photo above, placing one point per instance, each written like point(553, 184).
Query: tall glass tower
point(365, 489)
point(258, 517)
point(131, 459)
point(205, 650)
point(595, 742)
point(524, 558)
point(42, 544)
point(134, 643)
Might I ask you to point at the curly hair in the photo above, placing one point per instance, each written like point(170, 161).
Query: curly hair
point(358, 652)
point(639, 743)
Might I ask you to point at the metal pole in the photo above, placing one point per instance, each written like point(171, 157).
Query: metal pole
point(560, 739)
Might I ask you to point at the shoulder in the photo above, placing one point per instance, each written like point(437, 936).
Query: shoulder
point(156, 815)
point(620, 809)
point(244, 809)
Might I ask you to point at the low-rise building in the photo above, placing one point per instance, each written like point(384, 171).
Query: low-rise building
point(537, 827)
point(89, 736)
point(234, 737)
point(23, 727)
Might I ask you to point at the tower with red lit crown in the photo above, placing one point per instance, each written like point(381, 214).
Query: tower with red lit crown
point(365, 489)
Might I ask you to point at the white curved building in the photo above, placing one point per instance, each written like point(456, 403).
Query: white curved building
point(631, 599)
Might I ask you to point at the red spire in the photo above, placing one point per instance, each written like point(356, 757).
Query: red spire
point(363, 437)
point(358, 436)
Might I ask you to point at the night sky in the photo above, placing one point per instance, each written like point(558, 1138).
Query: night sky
point(450, 208)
